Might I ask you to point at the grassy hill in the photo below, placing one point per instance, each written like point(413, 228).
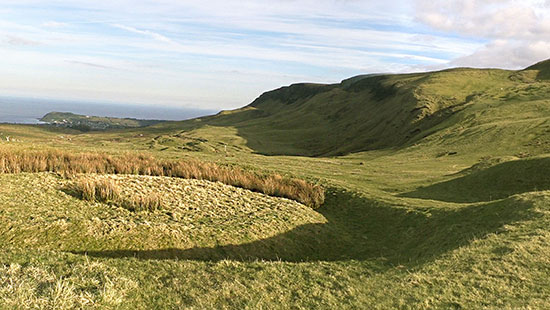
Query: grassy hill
point(374, 112)
point(437, 197)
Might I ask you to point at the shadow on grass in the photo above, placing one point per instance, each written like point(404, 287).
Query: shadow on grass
point(360, 229)
point(497, 182)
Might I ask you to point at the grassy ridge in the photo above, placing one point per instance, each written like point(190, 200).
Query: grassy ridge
point(374, 112)
point(491, 183)
point(366, 113)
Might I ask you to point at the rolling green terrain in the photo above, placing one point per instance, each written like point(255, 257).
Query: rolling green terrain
point(437, 197)
point(85, 123)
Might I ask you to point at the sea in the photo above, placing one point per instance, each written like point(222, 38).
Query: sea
point(19, 110)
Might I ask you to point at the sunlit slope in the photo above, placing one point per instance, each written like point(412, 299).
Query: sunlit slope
point(384, 111)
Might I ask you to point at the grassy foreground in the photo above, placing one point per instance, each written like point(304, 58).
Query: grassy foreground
point(456, 216)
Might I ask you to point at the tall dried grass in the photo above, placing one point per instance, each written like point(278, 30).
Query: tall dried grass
point(107, 191)
point(71, 163)
point(96, 190)
point(150, 203)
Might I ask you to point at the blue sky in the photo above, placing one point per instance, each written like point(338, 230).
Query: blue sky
point(222, 54)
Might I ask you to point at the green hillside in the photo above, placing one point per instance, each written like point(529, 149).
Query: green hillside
point(379, 112)
point(437, 197)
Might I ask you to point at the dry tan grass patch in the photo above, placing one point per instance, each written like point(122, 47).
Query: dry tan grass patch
point(107, 191)
point(69, 164)
point(96, 190)
point(151, 202)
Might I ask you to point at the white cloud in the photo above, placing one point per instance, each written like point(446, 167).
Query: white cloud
point(506, 53)
point(486, 18)
point(517, 32)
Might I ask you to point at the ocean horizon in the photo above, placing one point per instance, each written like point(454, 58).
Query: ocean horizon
point(18, 110)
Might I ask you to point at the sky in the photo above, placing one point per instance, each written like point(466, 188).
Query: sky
point(221, 54)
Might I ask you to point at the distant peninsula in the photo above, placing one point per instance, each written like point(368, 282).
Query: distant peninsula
point(88, 123)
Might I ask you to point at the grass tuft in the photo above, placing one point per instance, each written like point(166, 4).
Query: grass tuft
point(150, 203)
point(107, 191)
point(104, 190)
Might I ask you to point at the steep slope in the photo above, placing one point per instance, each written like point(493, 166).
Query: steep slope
point(371, 113)
point(543, 69)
